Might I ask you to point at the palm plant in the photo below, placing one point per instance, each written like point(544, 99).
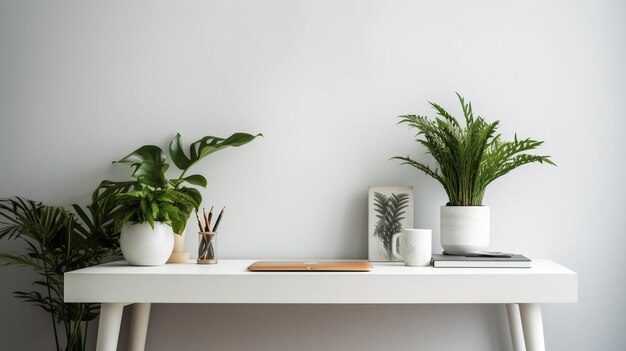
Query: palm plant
point(168, 199)
point(58, 241)
point(389, 211)
point(469, 158)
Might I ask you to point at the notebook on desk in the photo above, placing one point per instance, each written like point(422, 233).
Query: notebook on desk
point(307, 266)
point(452, 261)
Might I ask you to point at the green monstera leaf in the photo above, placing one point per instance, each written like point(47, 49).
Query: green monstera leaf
point(202, 148)
point(149, 164)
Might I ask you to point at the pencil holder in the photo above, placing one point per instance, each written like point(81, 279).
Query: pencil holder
point(206, 248)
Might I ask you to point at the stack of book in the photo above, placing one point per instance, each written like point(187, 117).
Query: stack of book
point(486, 260)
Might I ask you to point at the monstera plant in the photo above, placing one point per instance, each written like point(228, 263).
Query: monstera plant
point(150, 166)
point(163, 202)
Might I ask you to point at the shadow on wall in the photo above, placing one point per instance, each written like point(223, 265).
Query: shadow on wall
point(314, 327)
point(352, 236)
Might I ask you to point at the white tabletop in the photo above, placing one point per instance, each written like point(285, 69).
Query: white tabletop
point(230, 282)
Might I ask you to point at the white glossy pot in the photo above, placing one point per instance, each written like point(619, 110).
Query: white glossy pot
point(464, 229)
point(144, 246)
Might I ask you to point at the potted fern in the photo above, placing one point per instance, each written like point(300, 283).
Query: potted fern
point(468, 159)
point(147, 219)
point(161, 207)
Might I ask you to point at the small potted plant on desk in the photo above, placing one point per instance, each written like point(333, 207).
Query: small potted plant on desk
point(160, 207)
point(469, 158)
point(148, 216)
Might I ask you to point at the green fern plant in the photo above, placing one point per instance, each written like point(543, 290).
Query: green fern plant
point(389, 211)
point(169, 206)
point(469, 158)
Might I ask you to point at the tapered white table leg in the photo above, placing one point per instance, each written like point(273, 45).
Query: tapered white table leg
point(109, 326)
point(533, 326)
point(515, 326)
point(139, 327)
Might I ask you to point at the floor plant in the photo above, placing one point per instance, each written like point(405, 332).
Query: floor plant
point(57, 241)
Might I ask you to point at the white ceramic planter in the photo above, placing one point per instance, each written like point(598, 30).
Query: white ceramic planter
point(143, 246)
point(464, 229)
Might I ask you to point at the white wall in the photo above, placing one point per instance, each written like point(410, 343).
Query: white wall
point(83, 83)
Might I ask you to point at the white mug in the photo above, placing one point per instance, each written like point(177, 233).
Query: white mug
point(416, 246)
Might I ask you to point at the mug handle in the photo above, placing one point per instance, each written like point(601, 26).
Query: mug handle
point(394, 245)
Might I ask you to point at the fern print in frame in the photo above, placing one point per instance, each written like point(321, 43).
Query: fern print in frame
point(390, 209)
point(389, 212)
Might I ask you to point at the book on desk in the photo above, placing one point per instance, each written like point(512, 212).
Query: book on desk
point(454, 261)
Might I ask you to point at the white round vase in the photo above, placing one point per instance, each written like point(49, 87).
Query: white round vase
point(464, 229)
point(144, 246)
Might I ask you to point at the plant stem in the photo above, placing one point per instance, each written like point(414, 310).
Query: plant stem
point(181, 177)
point(75, 335)
point(54, 325)
point(85, 335)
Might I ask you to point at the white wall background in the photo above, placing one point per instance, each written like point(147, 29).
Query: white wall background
point(83, 83)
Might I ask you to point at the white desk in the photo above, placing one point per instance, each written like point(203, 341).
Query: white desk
point(116, 284)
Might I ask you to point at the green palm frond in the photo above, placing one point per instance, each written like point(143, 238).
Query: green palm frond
point(469, 158)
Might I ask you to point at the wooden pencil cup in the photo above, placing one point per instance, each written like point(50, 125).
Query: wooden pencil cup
point(206, 248)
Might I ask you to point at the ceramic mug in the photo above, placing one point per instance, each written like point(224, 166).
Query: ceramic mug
point(415, 246)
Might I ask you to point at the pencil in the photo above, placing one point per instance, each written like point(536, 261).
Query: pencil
point(219, 218)
point(206, 219)
point(199, 222)
point(208, 224)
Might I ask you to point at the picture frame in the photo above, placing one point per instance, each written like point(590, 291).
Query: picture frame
point(390, 209)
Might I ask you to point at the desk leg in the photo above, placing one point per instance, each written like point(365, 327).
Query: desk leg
point(515, 326)
point(139, 327)
point(109, 326)
point(533, 326)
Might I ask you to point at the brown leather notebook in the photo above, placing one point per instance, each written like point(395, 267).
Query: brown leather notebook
point(307, 266)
